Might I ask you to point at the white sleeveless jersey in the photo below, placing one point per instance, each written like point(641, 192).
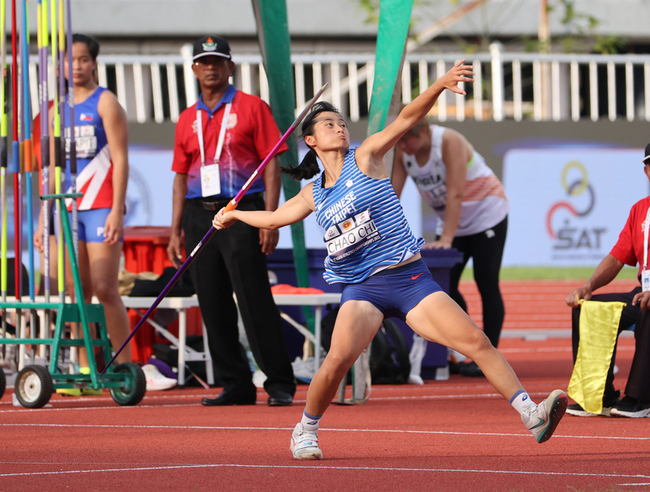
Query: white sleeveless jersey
point(366, 230)
point(484, 200)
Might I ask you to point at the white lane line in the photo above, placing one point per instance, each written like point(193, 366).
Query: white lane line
point(441, 386)
point(325, 467)
point(74, 399)
point(513, 350)
point(261, 402)
point(325, 429)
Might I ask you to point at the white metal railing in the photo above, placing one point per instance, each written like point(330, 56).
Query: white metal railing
point(519, 86)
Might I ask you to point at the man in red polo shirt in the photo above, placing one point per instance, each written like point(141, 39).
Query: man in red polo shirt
point(220, 141)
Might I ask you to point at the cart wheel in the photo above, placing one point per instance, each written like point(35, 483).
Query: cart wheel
point(135, 385)
point(33, 386)
point(3, 382)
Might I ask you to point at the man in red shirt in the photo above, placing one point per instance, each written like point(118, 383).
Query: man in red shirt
point(220, 141)
point(629, 250)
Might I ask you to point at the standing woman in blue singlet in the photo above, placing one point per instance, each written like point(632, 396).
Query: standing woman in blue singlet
point(372, 250)
point(101, 137)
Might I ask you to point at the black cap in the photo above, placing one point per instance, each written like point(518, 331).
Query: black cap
point(647, 153)
point(211, 46)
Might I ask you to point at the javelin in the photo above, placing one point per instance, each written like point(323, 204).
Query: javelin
point(3, 163)
point(27, 146)
point(41, 11)
point(73, 148)
point(58, 109)
point(16, 161)
point(231, 206)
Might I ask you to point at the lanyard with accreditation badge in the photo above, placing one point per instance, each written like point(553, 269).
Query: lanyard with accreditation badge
point(645, 274)
point(210, 179)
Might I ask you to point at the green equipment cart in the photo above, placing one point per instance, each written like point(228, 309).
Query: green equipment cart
point(34, 384)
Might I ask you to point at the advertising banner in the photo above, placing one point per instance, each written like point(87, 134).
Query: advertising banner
point(568, 205)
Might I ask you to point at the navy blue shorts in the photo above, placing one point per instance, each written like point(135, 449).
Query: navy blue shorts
point(394, 291)
point(90, 224)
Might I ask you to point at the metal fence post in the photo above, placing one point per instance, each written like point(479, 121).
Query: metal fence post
point(497, 81)
point(191, 95)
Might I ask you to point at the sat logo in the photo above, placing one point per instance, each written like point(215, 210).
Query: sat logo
point(571, 236)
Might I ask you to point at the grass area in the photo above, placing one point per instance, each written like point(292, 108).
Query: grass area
point(552, 273)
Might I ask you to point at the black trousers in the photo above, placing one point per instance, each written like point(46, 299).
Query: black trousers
point(638, 382)
point(232, 261)
point(486, 250)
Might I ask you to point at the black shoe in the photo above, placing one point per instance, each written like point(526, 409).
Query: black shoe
point(279, 398)
point(576, 410)
point(631, 407)
point(454, 367)
point(229, 398)
point(609, 402)
point(471, 370)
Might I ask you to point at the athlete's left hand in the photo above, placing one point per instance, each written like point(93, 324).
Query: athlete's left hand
point(458, 73)
point(269, 240)
point(114, 227)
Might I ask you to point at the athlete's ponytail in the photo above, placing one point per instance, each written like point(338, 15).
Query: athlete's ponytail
point(308, 167)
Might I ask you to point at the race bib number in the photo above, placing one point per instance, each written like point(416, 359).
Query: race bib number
point(436, 196)
point(210, 180)
point(351, 235)
point(85, 142)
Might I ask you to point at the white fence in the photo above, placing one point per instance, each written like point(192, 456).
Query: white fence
point(517, 86)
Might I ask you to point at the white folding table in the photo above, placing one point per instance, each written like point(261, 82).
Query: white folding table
point(185, 353)
point(182, 304)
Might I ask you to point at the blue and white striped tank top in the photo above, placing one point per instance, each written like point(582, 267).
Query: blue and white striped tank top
point(366, 230)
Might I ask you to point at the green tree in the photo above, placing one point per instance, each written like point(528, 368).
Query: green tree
point(581, 27)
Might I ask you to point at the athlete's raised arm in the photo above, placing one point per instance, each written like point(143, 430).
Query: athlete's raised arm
point(376, 146)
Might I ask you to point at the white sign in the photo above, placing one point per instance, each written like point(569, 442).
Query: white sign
point(568, 205)
point(150, 188)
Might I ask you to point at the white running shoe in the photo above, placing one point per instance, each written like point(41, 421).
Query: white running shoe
point(542, 419)
point(304, 444)
point(155, 380)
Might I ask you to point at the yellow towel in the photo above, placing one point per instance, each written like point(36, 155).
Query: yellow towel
point(598, 329)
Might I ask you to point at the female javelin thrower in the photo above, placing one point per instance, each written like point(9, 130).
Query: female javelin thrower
point(372, 250)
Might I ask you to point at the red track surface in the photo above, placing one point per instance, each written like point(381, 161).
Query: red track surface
point(535, 304)
point(454, 435)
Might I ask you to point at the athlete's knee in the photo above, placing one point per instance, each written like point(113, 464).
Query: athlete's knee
point(338, 363)
point(106, 292)
point(477, 340)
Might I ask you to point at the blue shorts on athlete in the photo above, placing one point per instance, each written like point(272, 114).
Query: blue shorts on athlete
point(91, 224)
point(394, 291)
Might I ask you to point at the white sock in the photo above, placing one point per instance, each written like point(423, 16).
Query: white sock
point(521, 401)
point(310, 423)
point(416, 355)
